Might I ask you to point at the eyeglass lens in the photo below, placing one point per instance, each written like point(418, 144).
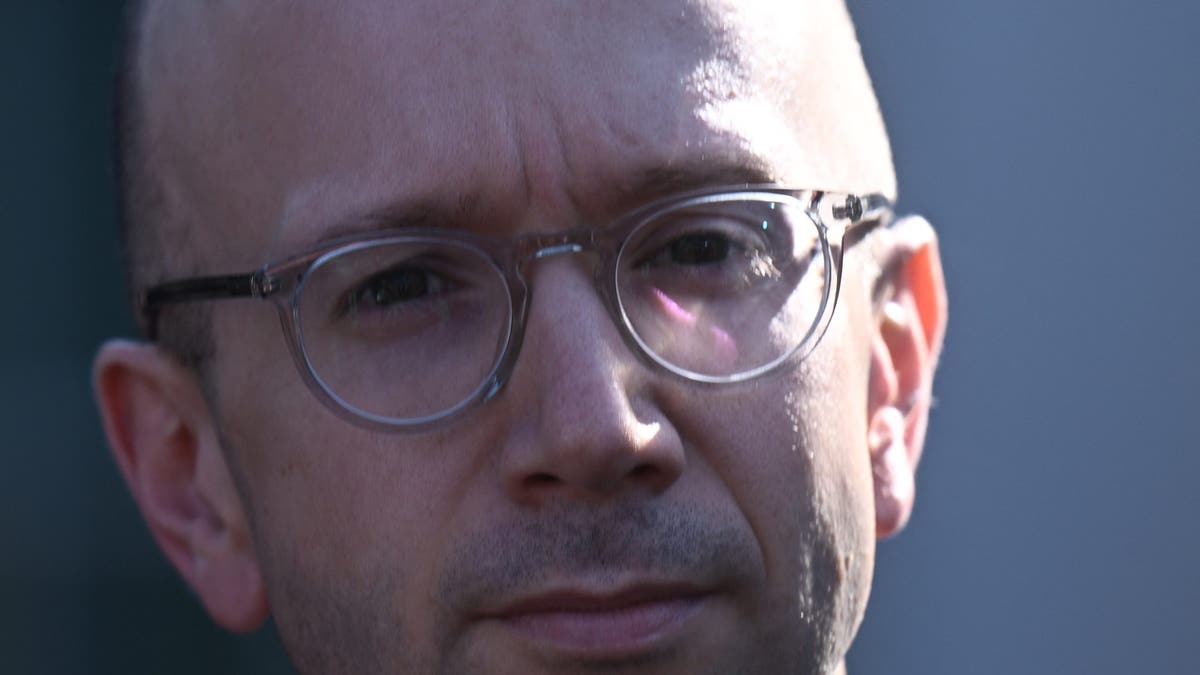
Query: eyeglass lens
point(722, 288)
point(403, 330)
point(408, 328)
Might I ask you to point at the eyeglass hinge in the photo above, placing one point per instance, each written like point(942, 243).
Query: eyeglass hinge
point(262, 285)
point(852, 209)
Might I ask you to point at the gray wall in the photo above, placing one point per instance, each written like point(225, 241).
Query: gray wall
point(1055, 145)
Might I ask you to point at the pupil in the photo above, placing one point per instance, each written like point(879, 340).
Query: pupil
point(699, 249)
point(400, 285)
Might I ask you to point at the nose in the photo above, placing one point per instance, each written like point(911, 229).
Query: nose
point(586, 425)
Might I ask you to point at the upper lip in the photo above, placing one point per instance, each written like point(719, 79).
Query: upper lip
point(582, 599)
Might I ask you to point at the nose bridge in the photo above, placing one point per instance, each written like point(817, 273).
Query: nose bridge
point(555, 249)
point(530, 254)
point(567, 293)
point(567, 318)
point(589, 427)
point(574, 353)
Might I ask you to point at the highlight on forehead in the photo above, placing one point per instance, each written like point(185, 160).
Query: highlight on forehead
point(796, 83)
point(803, 53)
point(785, 77)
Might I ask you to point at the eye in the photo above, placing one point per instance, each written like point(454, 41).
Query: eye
point(697, 244)
point(702, 248)
point(715, 251)
point(394, 288)
point(692, 243)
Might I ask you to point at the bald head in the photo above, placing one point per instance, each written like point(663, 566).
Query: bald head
point(253, 115)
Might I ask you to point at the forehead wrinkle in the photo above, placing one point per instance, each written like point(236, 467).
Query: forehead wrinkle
point(575, 142)
point(569, 95)
point(464, 211)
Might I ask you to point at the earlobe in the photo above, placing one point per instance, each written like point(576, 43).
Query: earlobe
point(910, 323)
point(167, 449)
point(892, 470)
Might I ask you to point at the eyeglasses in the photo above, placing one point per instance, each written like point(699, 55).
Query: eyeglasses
point(408, 328)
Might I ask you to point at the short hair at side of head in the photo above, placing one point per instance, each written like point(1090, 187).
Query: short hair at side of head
point(148, 228)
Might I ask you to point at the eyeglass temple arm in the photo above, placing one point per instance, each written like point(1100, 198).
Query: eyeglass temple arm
point(874, 206)
point(255, 284)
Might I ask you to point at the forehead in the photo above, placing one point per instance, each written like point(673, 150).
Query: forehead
point(280, 119)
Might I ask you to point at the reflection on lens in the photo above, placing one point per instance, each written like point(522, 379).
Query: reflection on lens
point(403, 329)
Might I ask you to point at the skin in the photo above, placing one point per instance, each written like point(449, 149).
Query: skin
point(272, 124)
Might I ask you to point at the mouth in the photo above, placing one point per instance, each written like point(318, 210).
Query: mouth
point(620, 624)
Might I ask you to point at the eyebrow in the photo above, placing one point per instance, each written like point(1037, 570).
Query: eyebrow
point(661, 181)
point(646, 185)
point(401, 214)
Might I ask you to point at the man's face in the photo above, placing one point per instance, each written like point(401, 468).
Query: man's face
point(597, 515)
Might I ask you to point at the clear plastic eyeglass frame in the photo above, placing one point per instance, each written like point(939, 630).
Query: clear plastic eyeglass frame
point(840, 220)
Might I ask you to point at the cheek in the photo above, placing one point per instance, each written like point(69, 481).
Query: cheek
point(349, 532)
point(843, 502)
point(348, 524)
point(844, 524)
point(305, 471)
point(791, 452)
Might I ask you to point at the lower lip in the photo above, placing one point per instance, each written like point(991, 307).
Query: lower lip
point(611, 633)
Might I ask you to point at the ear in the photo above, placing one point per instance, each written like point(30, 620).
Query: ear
point(167, 448)
point(910, 321)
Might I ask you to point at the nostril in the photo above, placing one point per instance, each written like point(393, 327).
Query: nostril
point(652, 476)
point(541, 479)
point(644, 471)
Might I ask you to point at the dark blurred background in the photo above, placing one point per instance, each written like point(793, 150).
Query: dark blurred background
point(1055, 144)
